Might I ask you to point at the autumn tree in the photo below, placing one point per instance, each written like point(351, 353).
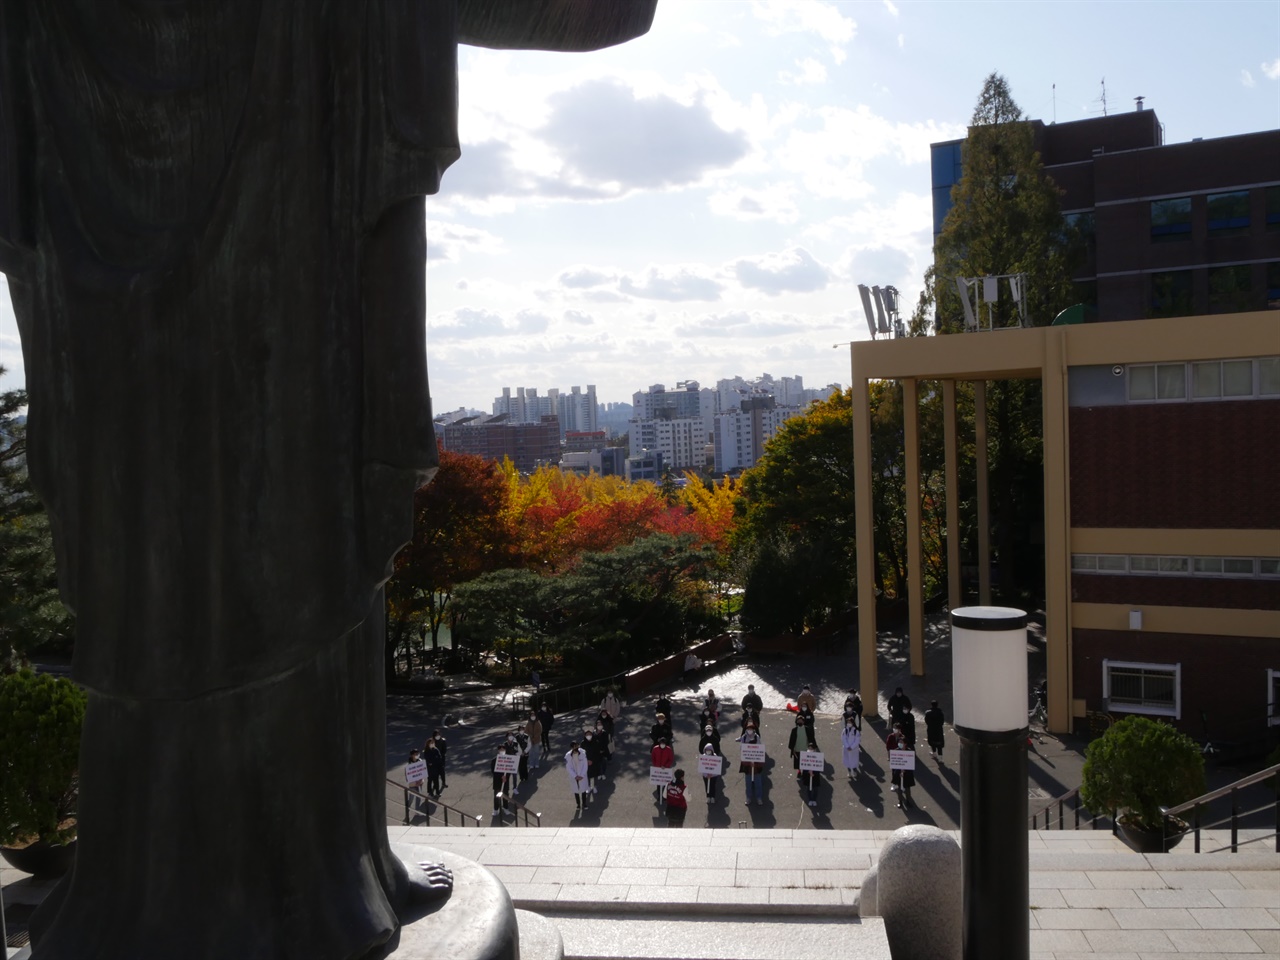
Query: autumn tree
point(460, 531)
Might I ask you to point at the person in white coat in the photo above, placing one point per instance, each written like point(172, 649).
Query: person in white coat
point(575, 765)
point(851, 742)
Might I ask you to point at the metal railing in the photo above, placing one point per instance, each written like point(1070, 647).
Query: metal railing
point(1232, 790)
point(573, 697)
point(460, 818)
point(1067, 800)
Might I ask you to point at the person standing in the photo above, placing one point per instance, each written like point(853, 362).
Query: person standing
point(801, 741)
point(663, 704)
point(857, 708)
point(611, 705)
point(908, 721)
point(412, 790)
point(710, 735)
point(604, 725)
point(533, 730)
point(752, 770)
point(713, 706)
point(902, 780)
point(898, 704)
point(851, 746)
point(546, 718)
point(435, 768)
point(807, 699)
point(662, 756)
point(751, 700)
point(933, 721)
point(594, 749)
point(677, 804)
point(522, 744)
point(443, 746)
point(502, 785)
point(709, 780)
point(575, 765)
point(750, 718)
point(661, 729)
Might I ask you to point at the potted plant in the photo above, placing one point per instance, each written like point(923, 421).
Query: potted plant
point(39, 757)
point(1137, 768)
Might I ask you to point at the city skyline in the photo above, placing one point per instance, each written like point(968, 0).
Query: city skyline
point(705, 199)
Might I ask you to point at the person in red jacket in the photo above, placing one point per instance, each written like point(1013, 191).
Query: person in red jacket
point(677, 805)
point(662, 756)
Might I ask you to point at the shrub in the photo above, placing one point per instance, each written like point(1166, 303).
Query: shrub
point(1138, 766)
point(39, 756)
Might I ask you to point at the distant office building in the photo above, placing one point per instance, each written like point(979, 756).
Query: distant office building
point(584, 440)
point(605, 461)
point(647, 465)
point(740, 436)
point(528, 445)
point(574, 410)
point(1172, 229)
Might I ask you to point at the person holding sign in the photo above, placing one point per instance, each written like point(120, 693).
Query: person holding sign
point(575, 765)
point(902, 764)
point(711, 766)
point(752, 765)
point(851, 744)
point(677, 805)
point(661, 760)
point(505, 764)
point(804, 746)
point(414, 772)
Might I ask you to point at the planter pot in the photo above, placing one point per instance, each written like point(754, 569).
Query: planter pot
point(1161, 840)
point(44, 861)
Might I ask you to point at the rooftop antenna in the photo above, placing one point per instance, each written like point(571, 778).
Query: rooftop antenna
point(1104, 96)
point(1055, 103)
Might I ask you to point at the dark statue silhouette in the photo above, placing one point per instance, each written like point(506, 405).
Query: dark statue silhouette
point(211, 216)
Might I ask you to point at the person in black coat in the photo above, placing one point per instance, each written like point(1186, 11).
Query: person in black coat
point(710, 735)
point(750, 717)
point(801, 740)
point(661, 729)
point(435, 768)
point(908, 723)
point(605, 723)
point(933, 721)
point(443, 746)
point(546, 718)
point(663, 706)
point(593, 747)
point(899, 704)
point(752, 699)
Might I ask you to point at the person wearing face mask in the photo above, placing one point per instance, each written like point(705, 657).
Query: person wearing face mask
point(851, 745)
point(661, 729)
point(593, 747)
point(677, 805)
point(801, 740)
point(662, 756)
point(709, 781)
point(752, 771)
point(533, 730)
point(710, 735)
point(503, 783)
point(575, 765)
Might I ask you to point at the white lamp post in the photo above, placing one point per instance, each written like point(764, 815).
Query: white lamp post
point(989, 691)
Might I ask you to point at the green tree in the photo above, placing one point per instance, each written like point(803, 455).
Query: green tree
point(1005, 218)
point(32, 615)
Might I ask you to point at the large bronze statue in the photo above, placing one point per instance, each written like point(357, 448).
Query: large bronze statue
point(211, 215)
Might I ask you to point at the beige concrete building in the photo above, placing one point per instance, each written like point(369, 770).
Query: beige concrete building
point(1162, 508)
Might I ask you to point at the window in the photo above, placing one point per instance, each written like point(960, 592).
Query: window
point(1273, 698)
point(1209, 380)
point(1147, 566)
point(1269, 377)
point(1150, 688)
point(1228, 213)
point(1171, 293)
point(1171, 219)
point(1158, 381)
point(1230, 289)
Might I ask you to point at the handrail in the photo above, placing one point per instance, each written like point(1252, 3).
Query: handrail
point(1060, 803)
point(462, 817)
point(1223, 791)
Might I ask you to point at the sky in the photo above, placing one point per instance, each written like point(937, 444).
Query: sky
point(702, 202)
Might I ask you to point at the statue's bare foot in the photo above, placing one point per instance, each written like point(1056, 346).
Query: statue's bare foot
point(429, 882)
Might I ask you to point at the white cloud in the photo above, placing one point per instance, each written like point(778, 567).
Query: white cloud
point(579, 318)
point(1272, 69)
point(808, 16)
point(774, 202)
point(902, 41)
point(673, 284)
point(793, 271)
point(582, 277)
point(448, 241)
point(1246, 78)
point(809, 71)
point(610, 139)
point(891, 7)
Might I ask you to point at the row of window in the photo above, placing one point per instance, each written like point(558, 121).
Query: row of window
point(1231, 290)
point(1204, 380)
point(1228, 215)
point(1146, 566)
point(1156, 689)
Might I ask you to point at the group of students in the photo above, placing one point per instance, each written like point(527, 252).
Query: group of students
point(902, 736)
point(433, 754)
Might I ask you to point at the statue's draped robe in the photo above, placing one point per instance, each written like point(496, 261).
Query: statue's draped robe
point(211, 218)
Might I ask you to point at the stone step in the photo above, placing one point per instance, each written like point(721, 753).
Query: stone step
point(730, 937)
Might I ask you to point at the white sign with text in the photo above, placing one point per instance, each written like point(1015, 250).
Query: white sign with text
point(753, 753)
point(902, 759)
point(711, 766)
point(660, 776)
point(812, 761)
point(507, 763)
point(415, 772)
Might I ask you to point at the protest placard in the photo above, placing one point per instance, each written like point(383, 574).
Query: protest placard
point(415, 772)
point(753, 753)
point(710, 766)
point(507, 763)
point(661, 776)
point(902, 759)
point(812, 761)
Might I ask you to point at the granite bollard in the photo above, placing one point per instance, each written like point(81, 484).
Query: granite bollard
point(917, 892)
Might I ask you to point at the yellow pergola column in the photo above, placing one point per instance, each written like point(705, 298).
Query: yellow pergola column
point(868, 675)
point(984, 498)
point(915, 577)
point(1057, 530)
point(951, 469)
